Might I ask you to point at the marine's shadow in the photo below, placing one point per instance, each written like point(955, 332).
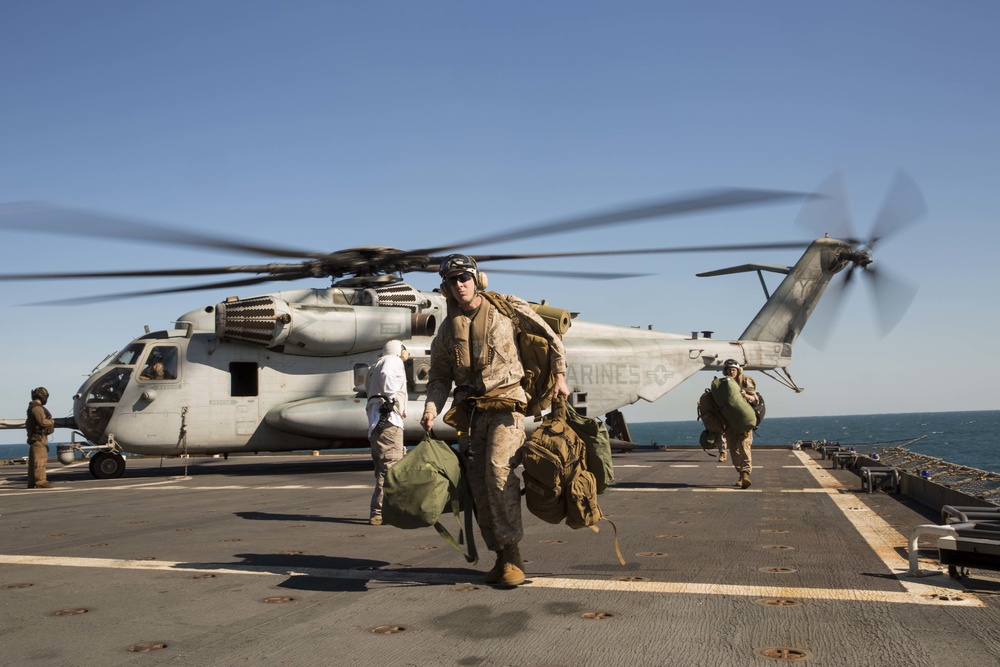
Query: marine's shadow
point(334, 574)
point(266, 516)
point(656, 485)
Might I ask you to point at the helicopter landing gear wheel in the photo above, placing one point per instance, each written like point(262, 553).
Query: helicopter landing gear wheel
point(105, 465)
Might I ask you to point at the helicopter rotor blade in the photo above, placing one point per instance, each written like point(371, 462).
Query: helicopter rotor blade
point(781, 245)
point(272, 269)
point(829, 211)
point(85, 300)
point(891, 297)
point(904, 205)
point(713, 199)
point(821, 323)
point(585, 275)
point(46, 218)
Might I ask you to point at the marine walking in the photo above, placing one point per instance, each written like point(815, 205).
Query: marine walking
point(476, 350)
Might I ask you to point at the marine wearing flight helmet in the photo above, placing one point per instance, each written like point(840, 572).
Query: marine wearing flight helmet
point(40, 426)
point(476, 350)
point(739, 442)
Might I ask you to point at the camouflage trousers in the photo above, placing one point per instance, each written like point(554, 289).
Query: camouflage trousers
point(739, 449)
point(38, 456)
point(387, 450)
point(491, 453)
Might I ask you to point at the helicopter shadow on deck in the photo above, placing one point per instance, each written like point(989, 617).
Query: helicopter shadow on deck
point(238, 466)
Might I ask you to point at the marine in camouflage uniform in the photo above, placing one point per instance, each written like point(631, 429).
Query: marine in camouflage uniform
point(739, 442)
point(476, 350)
point(40, 426)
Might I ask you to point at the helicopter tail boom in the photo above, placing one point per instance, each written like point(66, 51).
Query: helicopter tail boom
point(786, 312)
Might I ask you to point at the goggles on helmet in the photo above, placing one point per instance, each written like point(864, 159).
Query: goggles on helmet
point(453, 264)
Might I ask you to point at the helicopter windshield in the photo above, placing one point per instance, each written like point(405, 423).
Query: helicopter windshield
point(129, 356)
point(109, 388)
point(161, 364)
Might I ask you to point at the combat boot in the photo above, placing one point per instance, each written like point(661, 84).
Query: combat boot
point(495, 574)
point(744, 480)
point(723, 456)
point(509, 570)
point(513, 566)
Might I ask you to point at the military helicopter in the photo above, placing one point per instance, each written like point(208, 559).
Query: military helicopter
point(286, 371)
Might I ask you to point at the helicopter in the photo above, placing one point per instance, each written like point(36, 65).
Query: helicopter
point(285, 371)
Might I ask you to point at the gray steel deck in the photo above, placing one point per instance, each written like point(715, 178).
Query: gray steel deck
point(270, 560)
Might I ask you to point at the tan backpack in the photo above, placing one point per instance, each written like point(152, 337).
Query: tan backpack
point(557, 484)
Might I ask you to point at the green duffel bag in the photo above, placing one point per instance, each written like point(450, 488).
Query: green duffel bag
point(598, 447)
point(422, 485)
point(738, 413)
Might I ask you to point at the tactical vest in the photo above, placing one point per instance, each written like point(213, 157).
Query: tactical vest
point(38, 431)
point(533, 349)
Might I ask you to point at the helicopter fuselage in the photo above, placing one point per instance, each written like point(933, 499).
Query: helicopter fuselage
point(286, 371)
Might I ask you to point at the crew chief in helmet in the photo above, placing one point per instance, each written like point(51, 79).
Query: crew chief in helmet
point(39, 426)
point(476, 350)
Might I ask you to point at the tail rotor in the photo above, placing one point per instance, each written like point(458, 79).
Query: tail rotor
point(892, 295)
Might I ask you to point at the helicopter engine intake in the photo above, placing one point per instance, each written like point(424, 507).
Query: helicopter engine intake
point(310, 330)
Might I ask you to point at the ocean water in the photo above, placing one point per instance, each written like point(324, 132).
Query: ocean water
point(967, 438)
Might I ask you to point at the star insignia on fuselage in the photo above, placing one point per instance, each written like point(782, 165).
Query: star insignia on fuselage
point(660, 374)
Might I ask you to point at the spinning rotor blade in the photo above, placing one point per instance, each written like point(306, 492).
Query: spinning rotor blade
point(904, 204)
point(80, 301)
point(363, 262)
point(829, 212)
point(783, 245)
point(273, 269)
point(38, 217)
point(586, 275)
point(714, 199)
point(891, 297)
point(821, 323)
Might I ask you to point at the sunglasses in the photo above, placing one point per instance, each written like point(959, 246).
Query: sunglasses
point(460, 278)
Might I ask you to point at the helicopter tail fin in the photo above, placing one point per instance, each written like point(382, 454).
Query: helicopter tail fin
point(786, 312)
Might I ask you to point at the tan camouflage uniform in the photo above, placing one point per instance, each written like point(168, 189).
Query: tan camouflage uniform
point(739, 442)
point(492, 450)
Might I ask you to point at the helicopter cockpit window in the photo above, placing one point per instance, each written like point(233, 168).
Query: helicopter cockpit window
point(109, 388)
point(129, 356)
point(161, 364)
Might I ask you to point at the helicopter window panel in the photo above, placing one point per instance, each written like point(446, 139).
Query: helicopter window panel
point(109, 388)
point(130, 355)
point(243, 378)
point(161, 364)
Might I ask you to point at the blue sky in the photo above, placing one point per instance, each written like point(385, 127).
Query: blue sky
point(327, 125)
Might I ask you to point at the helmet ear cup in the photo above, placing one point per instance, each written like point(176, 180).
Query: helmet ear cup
point(482, 281)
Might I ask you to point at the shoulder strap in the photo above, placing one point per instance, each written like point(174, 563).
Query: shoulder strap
point(502, 305)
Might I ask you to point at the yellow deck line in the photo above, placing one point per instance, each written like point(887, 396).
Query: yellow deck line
point(940, 597)
point(885, 541)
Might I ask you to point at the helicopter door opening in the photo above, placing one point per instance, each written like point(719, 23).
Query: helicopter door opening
point(243, 380)
point(244, 383)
